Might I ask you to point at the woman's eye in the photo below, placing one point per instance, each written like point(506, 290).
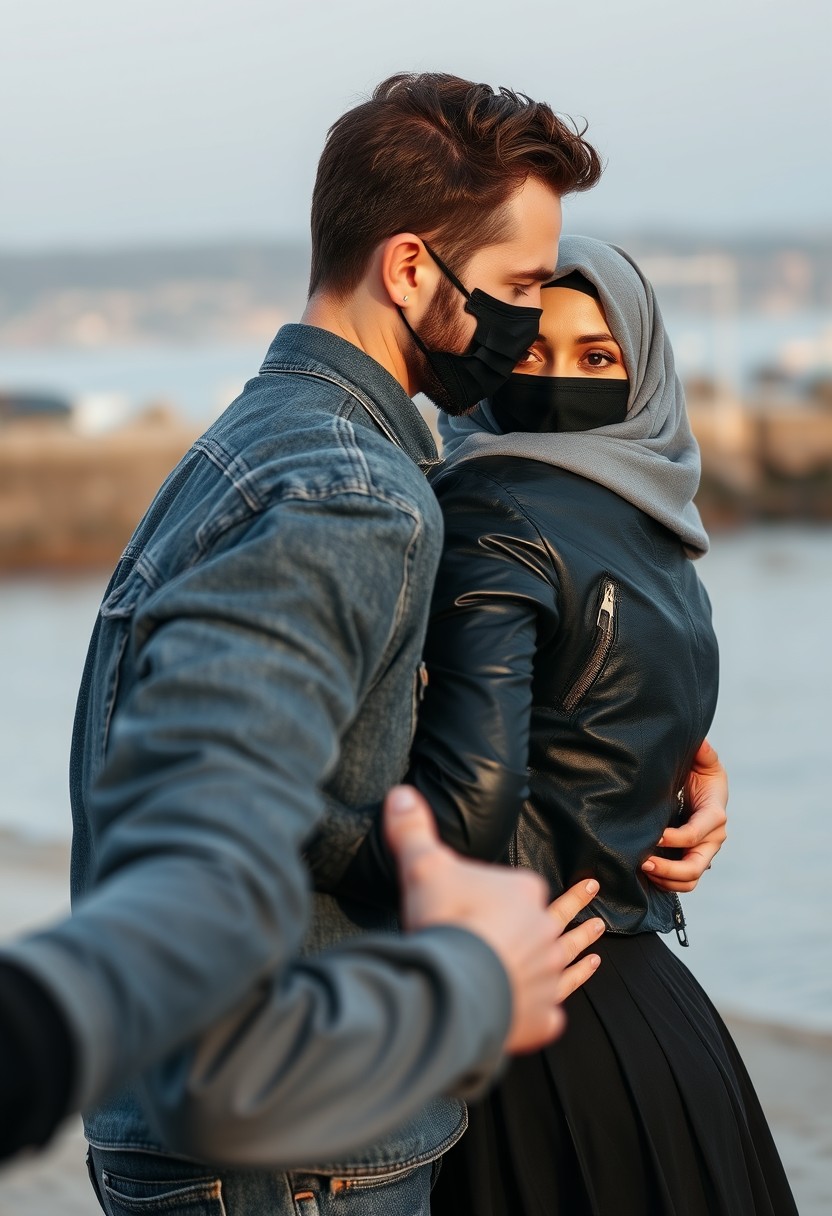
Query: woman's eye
point(520, 291)
point(530, 357)
point(599, 358)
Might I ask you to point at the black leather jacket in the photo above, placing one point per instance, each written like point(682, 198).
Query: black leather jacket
point(572, 673)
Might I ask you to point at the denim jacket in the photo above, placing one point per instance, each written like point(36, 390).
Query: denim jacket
point(257, 648)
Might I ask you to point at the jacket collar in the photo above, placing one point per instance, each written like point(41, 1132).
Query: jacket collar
point(312, 350)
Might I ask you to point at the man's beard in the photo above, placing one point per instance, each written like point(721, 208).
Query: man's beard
point(441, 329)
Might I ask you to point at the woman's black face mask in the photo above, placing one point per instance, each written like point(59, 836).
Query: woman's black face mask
point(503, 335)
point(558, 403)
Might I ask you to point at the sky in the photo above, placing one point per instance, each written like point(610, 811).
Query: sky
point(186, 120)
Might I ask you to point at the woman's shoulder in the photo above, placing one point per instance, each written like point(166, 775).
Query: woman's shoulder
point(497, 470)
point(492, 485)
point(538, 488)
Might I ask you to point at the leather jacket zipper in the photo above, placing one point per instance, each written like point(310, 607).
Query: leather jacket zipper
point(605, 624)
point(679, 922)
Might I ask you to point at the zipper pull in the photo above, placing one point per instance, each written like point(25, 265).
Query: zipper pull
point(608, 603)
point(679, 921)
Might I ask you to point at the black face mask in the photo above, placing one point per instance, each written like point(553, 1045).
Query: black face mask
point(504, 332)
point(559, 403)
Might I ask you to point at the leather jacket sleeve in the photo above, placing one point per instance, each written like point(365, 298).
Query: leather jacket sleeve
point(495, 600)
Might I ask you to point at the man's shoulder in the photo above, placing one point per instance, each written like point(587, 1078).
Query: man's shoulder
point(286, 441)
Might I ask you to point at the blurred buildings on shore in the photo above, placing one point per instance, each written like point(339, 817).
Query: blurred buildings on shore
point(76, 475)
point(100, 298)
point(242, 290)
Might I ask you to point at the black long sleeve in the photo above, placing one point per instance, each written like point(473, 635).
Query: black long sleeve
point(495, 599)
point(37, 1062)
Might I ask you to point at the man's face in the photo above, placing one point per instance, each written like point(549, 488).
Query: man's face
point(512, 271)
point(515, 270)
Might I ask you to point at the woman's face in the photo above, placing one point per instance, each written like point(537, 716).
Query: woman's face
point(574, 339)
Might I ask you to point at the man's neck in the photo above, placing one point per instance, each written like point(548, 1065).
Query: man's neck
point(365, 325)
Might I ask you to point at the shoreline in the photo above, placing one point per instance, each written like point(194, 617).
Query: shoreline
point(69, 501)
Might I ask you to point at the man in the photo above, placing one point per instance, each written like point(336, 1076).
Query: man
point(257, 649)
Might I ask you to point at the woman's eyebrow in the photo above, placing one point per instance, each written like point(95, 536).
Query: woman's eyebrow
point(587, 338)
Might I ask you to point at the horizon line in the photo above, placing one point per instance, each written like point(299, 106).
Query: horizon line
point(297, 240)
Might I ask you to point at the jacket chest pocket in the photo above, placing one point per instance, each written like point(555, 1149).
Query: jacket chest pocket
point(606, 623)
point(114, 630)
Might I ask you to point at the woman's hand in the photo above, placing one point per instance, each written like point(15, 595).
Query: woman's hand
point(706, 792)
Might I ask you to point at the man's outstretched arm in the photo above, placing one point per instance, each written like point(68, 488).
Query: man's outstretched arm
point(259, 1091)
point(210, 786)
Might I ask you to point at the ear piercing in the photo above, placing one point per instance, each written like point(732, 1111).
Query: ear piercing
point(404, 299)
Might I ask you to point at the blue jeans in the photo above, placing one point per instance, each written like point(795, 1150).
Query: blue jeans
point(128, 1183)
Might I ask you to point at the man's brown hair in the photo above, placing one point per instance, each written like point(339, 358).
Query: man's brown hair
point(439, 156)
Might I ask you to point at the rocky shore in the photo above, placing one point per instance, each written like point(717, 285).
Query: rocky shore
point(70, 501)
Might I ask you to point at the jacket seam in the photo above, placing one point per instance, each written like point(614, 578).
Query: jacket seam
point(148, 571)
point(697, 647)
point(336, 1170)
point(233, 467)
point(349, 391)
point(356, 1171)
point(345, 438)
point(401, 599)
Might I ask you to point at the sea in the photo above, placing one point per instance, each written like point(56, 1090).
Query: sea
point(759, 941)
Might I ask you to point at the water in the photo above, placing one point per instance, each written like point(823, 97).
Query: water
point(757, 924)
point(44, 631)
point(201, 380)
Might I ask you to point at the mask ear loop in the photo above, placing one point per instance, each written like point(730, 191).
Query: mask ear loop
point(412, 331)
point(446, 271)
point(450, 274)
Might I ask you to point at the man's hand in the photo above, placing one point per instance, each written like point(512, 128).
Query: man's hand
point(505, 907)
point(574, 941)
point(706, 792)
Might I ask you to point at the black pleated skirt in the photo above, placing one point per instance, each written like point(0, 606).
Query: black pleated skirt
point(642, 1108)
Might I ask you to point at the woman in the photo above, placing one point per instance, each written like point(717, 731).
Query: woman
point(573, 672)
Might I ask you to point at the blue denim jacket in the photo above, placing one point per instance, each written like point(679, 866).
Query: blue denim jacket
point(258, 646)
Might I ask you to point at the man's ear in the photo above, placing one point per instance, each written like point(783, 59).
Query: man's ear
point(407, 271)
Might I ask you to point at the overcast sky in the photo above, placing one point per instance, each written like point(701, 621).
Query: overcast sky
point(136, 120)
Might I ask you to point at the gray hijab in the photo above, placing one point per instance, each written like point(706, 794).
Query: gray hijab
point(651, 459)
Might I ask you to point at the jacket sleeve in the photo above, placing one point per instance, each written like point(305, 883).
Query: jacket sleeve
point(495, 602)
point(250, 667)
